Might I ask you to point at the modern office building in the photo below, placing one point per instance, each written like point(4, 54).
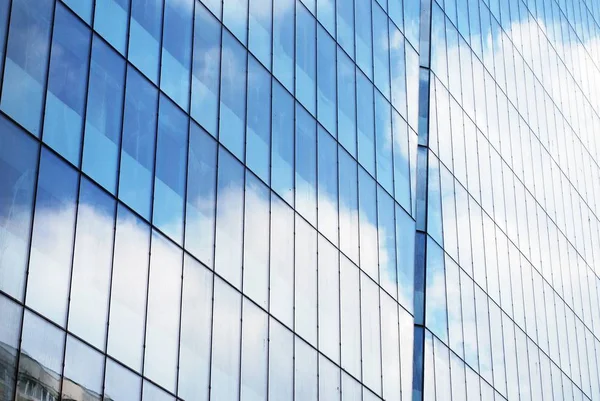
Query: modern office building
point(297, 200)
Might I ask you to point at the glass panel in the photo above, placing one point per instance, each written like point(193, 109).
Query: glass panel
point(366, 123)
point(18, 171)
point(121, 384)
point(405, 245)
point(390, 346)
point(260, 30)
point(349, 305)
point(235, 18)
point(171, 168)
point(256, 241)
point(364, 36)
point(282, 261)
point(329, 380)
point(326, 78)
point(305, 371)
point(368, 224)
point(346, 98)
point(201, 193)
point(230, 213)
point(194, 343)
point(370, 333)
point(152, 392)
point(305, 281)
point(104, 115)
point(128, 292)
point(306, 165)
point(67, 80)
point(52, 238)
point(351, 389)
point(139, 136)
point(26, 63)
point(84, 371)
point(327, 206)
point(282, 164)
point(4, 17)
point(92, 263)
point(383, 132)
point(381, 51)
point(205, 71)
point(83, 8)
point(402, 184)
point(232, 117)
point(283, 42)
point(348, 205)
point(435, 293)
point(226, 343)
point(258, 130)
point(329, 300)
point(281, 362)
point(306, 58)
point(162, 321)
point(145, 31)
point(9, 344)
point(176, 52)
point(254, 353)
point(111, 20)
point(345, 25)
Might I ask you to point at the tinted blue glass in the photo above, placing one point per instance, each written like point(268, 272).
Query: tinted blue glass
point(235, 18)
point(67, 80)
point(4, 14)
point(326, 15)
point(396, 13)
point(346, 86)
point(283, 42)
point(258, 131)
point(381, 51)
point(232, 118)
point(306, 58)
point(215, 7)
point(230, 211)
point(398, 70)
point(366, 123)
point(104, 115)
point(139, 136)
point(171, 168)
point(435, 292)
point(200, 210)
point(260, 30)
point(111, 20)
point(306, 165)
point(326, 75)
point(364, 37)
point(383, 133)
point(177, 51)
point(18, 167)
point(387, 242)
point(206, 67)
point(145, 30)
point(83, 8)
point(26, 63)
point(345, 25)
point(282, 165)
point(52, 238)
point(348, 205)
point(412, 11)
point(368, 224)
point(328, 186)
point(405, 252)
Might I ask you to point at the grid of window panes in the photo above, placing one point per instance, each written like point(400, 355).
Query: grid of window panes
point(207, 200)
point(513, 285)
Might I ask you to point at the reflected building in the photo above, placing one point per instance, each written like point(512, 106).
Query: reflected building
point(299, 200)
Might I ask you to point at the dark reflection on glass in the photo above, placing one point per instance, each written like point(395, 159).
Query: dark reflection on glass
point(18, 170)
point(145, 30)
point(111, 21)
point(67, 80)
point(104, 115)
point(4, 17)
point(52, 238)
point(9, 343)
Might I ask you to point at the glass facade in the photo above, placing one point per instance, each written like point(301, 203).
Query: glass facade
point(345, 200)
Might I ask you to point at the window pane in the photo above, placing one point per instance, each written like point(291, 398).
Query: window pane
point(383, 132)
point(232, 117)
point(401, 161)
point(346, 87)
point(104, 115)
point(18, 170)
point(405, 251)
point(256, 241)
point(84, 369)
point(258, 131)
point(368, 225)
point(90, 282)
point(128, 293)
point(200, 208)
point(305, 371)
point(305, 281)
point(111, 20)
point(52, 239)
point(145, 30)
point(176, 52)
point(10, 331)
point(390, 347)
point(366, 123)
point(306, 58)
point(351, 389)
point(348, 205)
point(235, 18)
point(260, 30)
point(283, 42)
point(326, 74)
point(206, 66)
point(306, 165)
point(327, 207)
point(226, 342)
point(381, 51)
point(83, 8)
point(345, 25)
point(162, 322)
point(370, 333)
point(282, 261)
point(4, 17)
point(398, 70)
point(350, 304)
point(67, 80)
point(329, 380)
point(153, 393)
point(326, 14)
point(364, 37)
point(120, 384)
point(171, 169)
point(281, 362)
point(26, 62)
point(329, 300)
point(139, 136)
point(230, 212)
point(282, 164)
point(435, 293)
point(196, 312)
point(387, 242)
point(254, 353)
